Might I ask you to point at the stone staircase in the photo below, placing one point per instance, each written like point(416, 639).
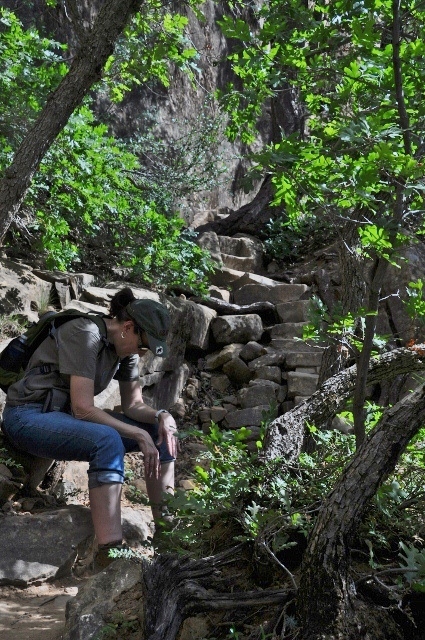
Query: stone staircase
point(280, 367)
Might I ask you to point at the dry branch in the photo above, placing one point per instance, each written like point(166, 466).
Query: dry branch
point(177, 587)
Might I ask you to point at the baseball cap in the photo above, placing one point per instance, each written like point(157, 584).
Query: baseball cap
point(154, 319)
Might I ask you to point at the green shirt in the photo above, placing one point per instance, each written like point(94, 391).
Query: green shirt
point(78, 349)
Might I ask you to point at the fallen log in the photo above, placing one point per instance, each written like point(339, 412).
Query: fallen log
point(266, 310)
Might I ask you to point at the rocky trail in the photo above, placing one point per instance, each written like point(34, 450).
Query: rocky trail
point(232, 357)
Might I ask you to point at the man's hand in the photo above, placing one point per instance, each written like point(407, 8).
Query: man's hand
point(150, 455)
point(168, 433)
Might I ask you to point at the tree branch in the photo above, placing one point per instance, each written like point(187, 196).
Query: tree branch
point(285, 435)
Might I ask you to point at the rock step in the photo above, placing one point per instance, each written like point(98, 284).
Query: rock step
point(295, 311)
point(288, 330)
point(250, 293)
point(295, 359)
point(301, 384)
point(287, 345)
point(240, 263)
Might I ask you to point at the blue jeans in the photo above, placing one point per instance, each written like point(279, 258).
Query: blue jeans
point(60, 436)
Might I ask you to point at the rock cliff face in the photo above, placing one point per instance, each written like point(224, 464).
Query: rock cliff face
point(173, 111)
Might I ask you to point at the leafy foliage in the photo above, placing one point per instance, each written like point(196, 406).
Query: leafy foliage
point(30, 66)
point(153, 43)
point(338, 59)
point(91, 189)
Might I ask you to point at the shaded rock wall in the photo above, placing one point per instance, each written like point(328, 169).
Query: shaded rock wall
point(173, 110)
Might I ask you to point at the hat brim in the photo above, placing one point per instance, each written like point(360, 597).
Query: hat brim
point(158, 347)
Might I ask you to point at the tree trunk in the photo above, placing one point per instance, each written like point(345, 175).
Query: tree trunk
point(327, 594)
point(251, 218)
point(353, 291)
point(85, 70)
point(287, 117)
point(285, 435)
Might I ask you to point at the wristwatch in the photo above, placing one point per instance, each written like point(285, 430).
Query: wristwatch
point(160, 411)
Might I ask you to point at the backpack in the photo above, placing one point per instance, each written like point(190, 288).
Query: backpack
point(15, 357)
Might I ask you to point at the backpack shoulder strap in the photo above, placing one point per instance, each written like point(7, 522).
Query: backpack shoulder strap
point(70, 314)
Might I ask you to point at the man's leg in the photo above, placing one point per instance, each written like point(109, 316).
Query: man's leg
point(105, 507)
point(156, 487)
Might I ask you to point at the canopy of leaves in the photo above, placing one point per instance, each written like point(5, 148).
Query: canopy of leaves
point(363, 134)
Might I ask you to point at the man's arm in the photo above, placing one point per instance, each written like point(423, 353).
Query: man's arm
point(134, 407)
point(82, 402)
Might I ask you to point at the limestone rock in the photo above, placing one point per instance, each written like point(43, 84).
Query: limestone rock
point(42, 546)
point(301, 384)
point(22, 292)
point(220, 294)
point(209, 240)
point(295, 311)
point(269, 373)
point(135, 525)
point(295, 359)
point(86, 613)
point(250, 293)
point(270, 358)
point(228, 329)
point(256, 395)
point(252, 416)
point(193, 323)
point(288, 330)
point(247, 250)
point(218, 413)
point(252, 350)
point(253, 278)
point(220, 383)
point(237, 371)
point(217, 359)
point(224, 277)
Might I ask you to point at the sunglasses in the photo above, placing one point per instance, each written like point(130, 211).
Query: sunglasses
point(142, 345)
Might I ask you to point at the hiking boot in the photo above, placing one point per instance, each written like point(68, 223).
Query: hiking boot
point(102, 559)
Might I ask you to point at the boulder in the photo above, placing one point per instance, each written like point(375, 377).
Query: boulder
point(253, 278)
point(217, 359)
point(252, 416)
point(209, 240)
point(225, 277)
point(252, 350)
point(237, 371)
point(270, 358)
point(288, 330)
point(219, 294)
point(295, 311)
point(218, 413)
point(256, 395)
point(220, 383)
point(42, 546)
point(190, 324)
point(86, 613)
point(102, 295)
point(268, 373)
point(21, 292)
point(241, 328)
point(250, 293)
point(301, 384)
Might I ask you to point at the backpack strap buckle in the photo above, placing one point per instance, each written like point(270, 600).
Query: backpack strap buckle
point(44, 368)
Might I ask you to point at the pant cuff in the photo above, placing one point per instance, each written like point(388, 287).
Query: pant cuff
point(98, 478)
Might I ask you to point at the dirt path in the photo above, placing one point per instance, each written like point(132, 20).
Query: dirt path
point(38, 612)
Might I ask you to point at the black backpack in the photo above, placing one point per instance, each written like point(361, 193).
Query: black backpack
point(15, 357)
